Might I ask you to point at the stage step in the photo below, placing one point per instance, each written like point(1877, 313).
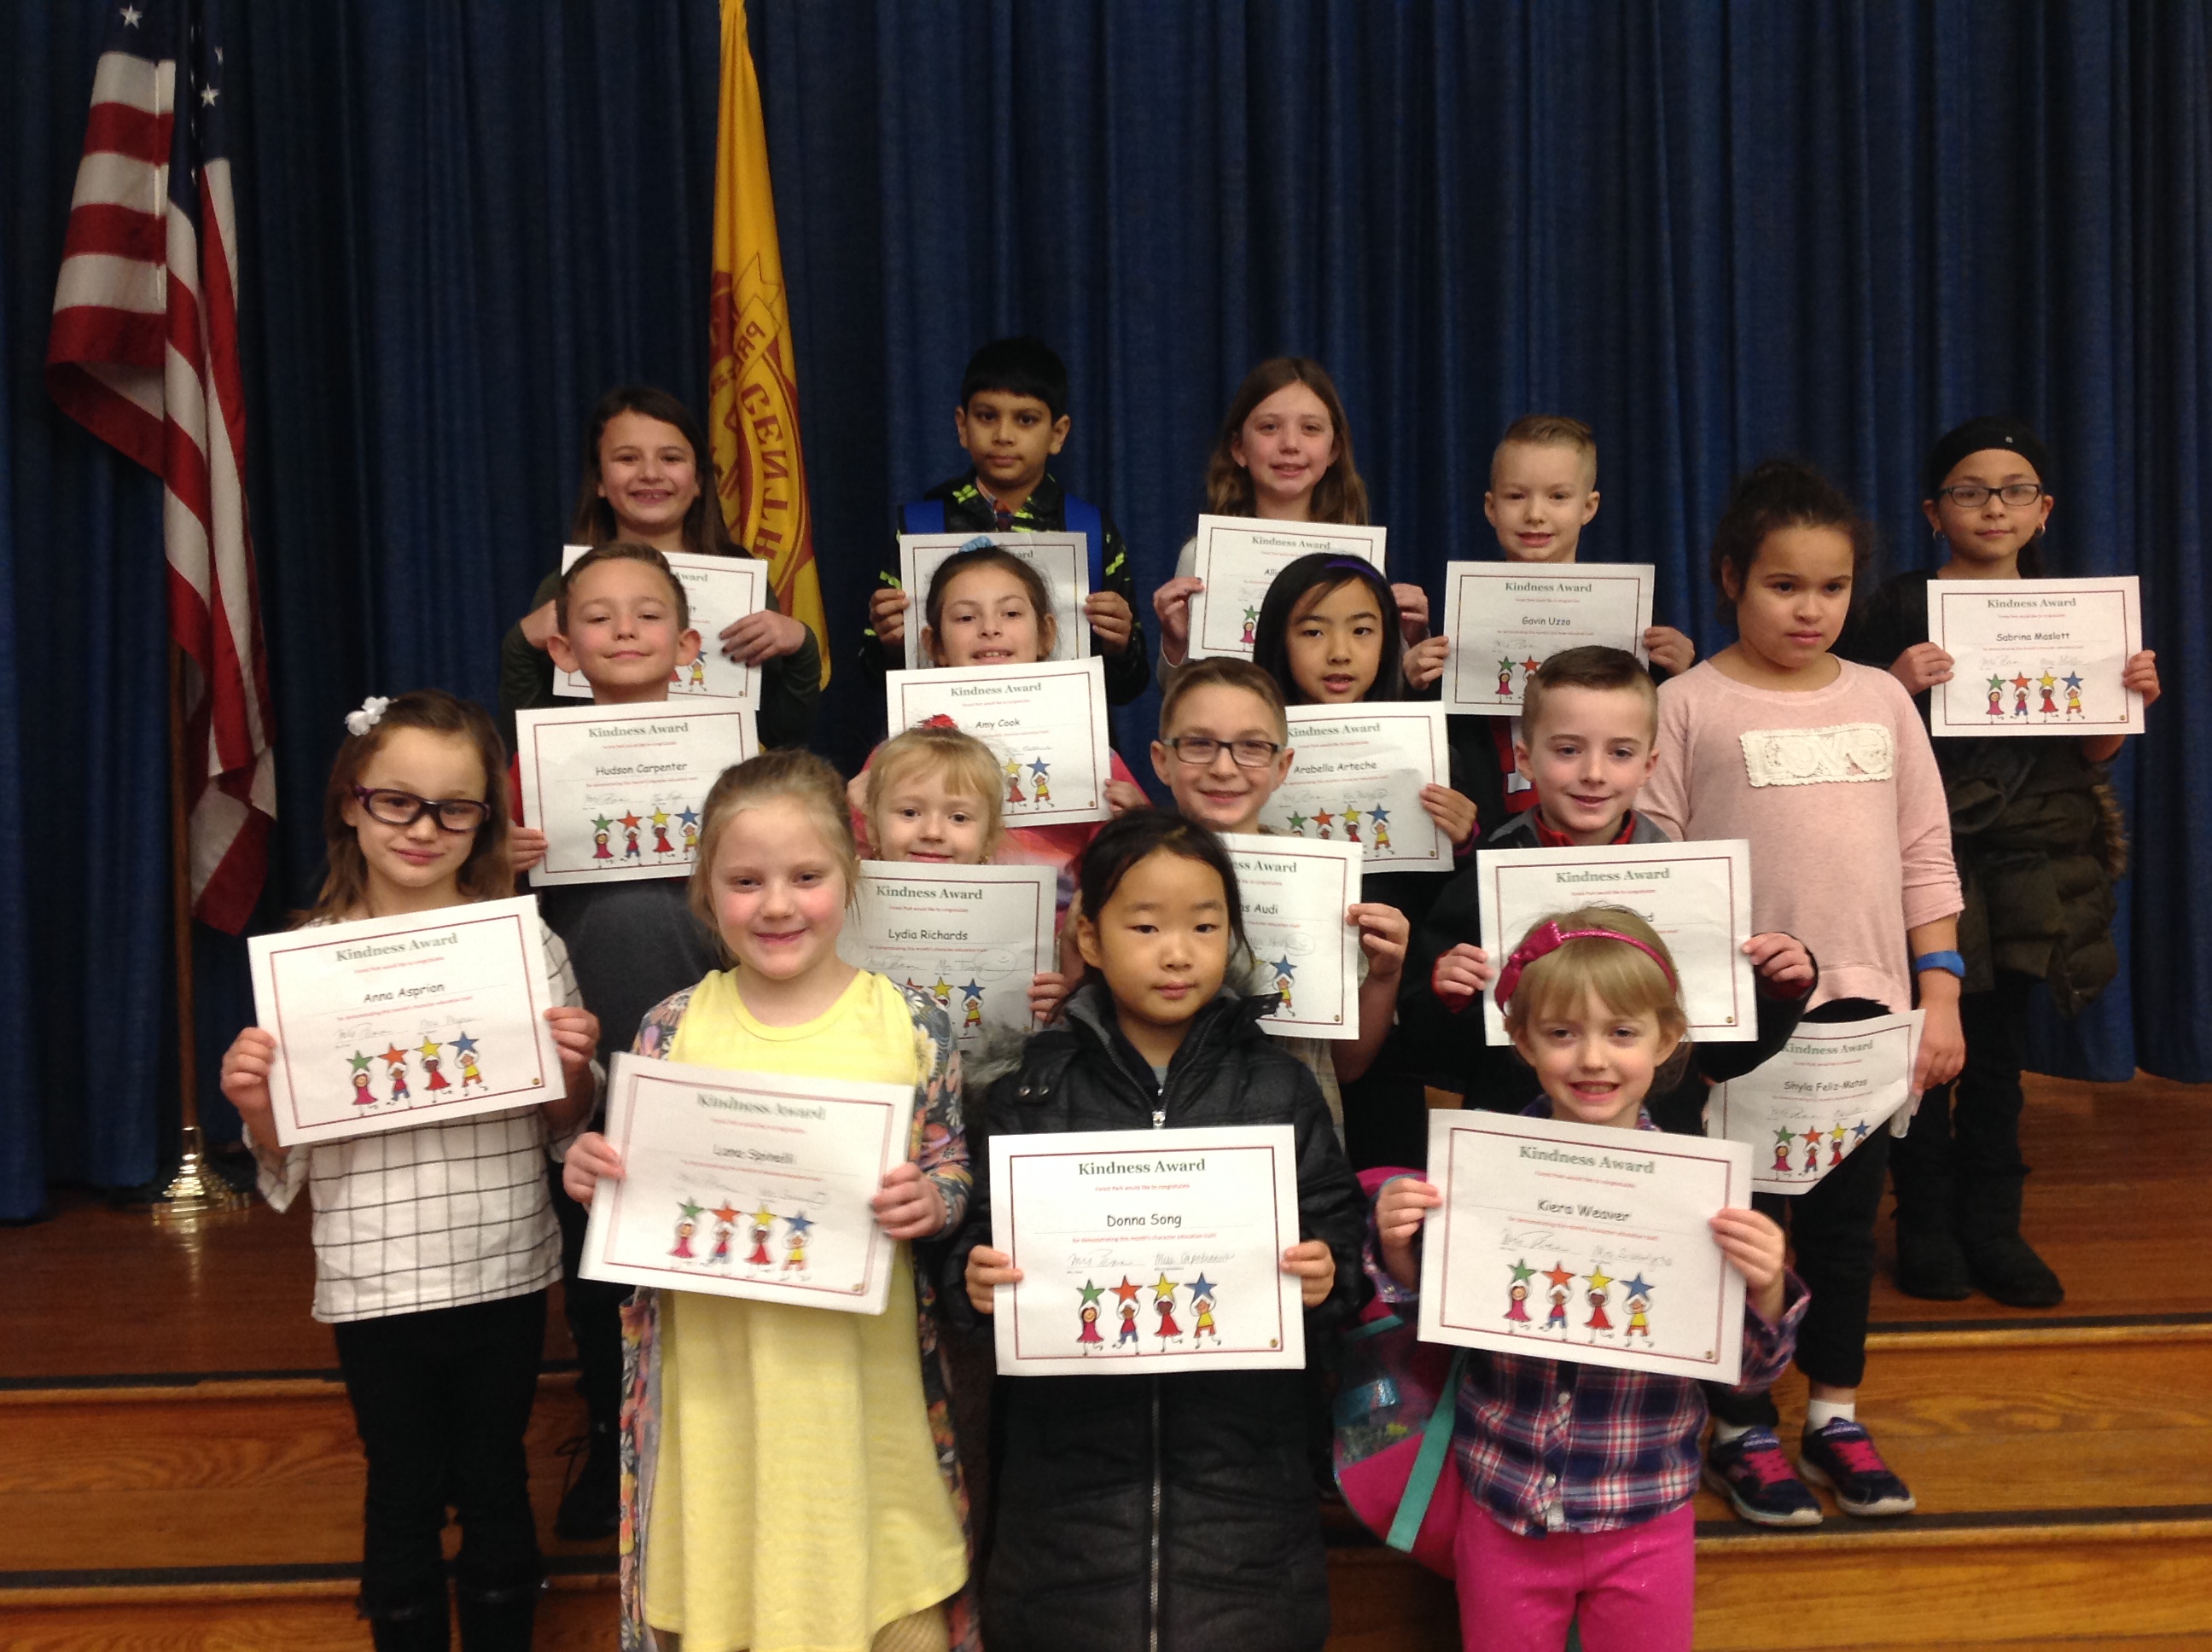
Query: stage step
point(2060, 1466)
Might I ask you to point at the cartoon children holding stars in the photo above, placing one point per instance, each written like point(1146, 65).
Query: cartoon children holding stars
point(1201, 1307)
point(1516, 1298)
point(362, 1097)
point(1088, 1337)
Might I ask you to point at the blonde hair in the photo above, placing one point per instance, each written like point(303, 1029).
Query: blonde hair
point(962, 761)
point(1626, 980)
point(1221, 671)
point(789, 773)
point(1548, 430)
point(485, 875)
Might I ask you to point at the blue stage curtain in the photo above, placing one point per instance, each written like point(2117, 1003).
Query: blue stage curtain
point(1714, 231)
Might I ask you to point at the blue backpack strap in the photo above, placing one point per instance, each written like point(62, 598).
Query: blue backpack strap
point(1429, 1461)
point(923, 516)
point(1084, 517)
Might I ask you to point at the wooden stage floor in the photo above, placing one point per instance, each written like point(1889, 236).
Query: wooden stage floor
point(174, 1449)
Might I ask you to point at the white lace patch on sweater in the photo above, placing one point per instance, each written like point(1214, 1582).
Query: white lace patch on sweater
point(1848, 752)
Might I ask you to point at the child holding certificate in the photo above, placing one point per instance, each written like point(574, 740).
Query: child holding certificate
point(1577, 1477)
point(623, 621)
point(1823, 766)
point(2039, 838)
point(1543, 492)
point(1284, 455)
point(648, 477)
point(434, 1245)
point(988, 607)
point(1164, 1510)
point(1224, 750)
point(793, 1481)
point(1589, 735)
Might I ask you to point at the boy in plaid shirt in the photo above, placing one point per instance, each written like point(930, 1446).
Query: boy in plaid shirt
point(1577, 1477)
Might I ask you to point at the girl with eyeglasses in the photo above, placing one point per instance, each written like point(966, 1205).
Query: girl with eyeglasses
point(2039, 838)
point(434, 1245)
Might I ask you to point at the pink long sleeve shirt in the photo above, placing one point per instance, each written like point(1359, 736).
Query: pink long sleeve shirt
point(1837, 791)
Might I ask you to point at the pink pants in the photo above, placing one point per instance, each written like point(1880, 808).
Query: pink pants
point(1632, 1588)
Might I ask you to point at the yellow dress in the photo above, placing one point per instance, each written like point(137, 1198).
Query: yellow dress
point(797, 1504)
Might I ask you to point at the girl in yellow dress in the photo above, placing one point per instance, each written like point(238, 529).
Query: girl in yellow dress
point(789, 1480)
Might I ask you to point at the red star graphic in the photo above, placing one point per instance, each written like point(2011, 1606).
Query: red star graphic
point(2020, 682)
point(1125, 1291)
point(1812, 1138)
point(395, 1055)
point(1531, 667)
point(1560, 1276)
point(631, 822)
point(724, 1211)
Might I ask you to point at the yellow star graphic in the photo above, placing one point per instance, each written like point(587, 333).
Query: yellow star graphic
point(1598, 1278)
point(660, 817)
point(429, 1048)
point(1165, 1288)
point(763, 1218)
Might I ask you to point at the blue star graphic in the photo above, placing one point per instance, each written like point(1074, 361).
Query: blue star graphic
point(464, 1044)
point(1040, 767)
point(1636, 1287)
point(1202, 1286)
point(689, 817)
point(1284, 966)
point(2073, 679)
point(1859, 1130)
point(972, 989)
point(1379, 815)
point(798, 1224)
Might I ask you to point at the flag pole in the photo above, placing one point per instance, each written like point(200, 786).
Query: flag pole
point(197, 1187)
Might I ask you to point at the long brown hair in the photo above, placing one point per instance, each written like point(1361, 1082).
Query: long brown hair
point(705, 533)
point(485, 875)
point(1339, 496)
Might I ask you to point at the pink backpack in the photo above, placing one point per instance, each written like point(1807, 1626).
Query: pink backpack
point(1395, 1412)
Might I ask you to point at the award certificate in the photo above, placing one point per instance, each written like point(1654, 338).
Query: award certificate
point(1144, 1251)
point(721, 590)
point(973, 936)
point(618, 789)
point(1505, 619)
point(1697, 895)
point(1062, 560)
point(1834, 1084)
point(1356, 778)
point(1238, 557)
point(1294, 896)
point(748, 1184)
point(1047, 724)
point(387, 1023)
point(1580, 1242)
point(2035, 656)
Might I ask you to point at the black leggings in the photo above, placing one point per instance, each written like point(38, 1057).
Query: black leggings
point(442, 1399)
point(1830, 1228)
point(594, 1311)
point(1968, 1131)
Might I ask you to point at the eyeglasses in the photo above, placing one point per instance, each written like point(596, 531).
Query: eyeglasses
point(404, 809)
point(1972, 496)
point(1199, 750)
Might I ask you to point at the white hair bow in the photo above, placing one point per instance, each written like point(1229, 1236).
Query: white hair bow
point(371, 713)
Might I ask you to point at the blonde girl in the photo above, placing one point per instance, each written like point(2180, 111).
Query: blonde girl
point(790, 1474)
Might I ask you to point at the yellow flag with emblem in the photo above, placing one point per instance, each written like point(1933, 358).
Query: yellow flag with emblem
point(752, 385)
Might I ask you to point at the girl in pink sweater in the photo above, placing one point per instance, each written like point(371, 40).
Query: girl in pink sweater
point(1825, 766)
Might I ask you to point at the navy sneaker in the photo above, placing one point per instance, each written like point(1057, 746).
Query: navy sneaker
point(1841, 1456)
point(1751, 1472)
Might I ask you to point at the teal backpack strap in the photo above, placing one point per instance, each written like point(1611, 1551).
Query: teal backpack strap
point(1428, 1462)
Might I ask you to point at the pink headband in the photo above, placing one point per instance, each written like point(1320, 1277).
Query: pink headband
point(1549, 937)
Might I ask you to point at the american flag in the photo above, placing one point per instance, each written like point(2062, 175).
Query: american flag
point(144, 354)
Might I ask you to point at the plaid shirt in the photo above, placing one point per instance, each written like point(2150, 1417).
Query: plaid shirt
point(1549, 1445)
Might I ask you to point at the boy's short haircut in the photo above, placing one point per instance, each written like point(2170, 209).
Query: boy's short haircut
point(1020, 367)
point(1606, 670)
point(967, 766)
point(1549, 430)
point(1223, 672)
point(619, 551)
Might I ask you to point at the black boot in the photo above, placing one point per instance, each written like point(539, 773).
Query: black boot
point(590, 1509)
point(421, 1627)
point(1931, 1261)
point(497, 1620)
point(2001, 1263)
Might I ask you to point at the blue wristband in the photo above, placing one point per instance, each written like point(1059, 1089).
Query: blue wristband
point(1951, 962)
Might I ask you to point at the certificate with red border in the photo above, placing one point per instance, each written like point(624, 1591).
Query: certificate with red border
point(1238, 557)
point(1505, 619)
point(1046, 724)
point(1583, 1243)
point(2034, 657)
point(748, 1184)
point(618, 790)
point(388, 1023)
point(1144, 1251)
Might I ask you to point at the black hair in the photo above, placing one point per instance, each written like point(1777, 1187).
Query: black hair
point(1324, 571)
point(1980, 435)
point(1777, 494)
point(1021, 366)
point(1128, 838)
